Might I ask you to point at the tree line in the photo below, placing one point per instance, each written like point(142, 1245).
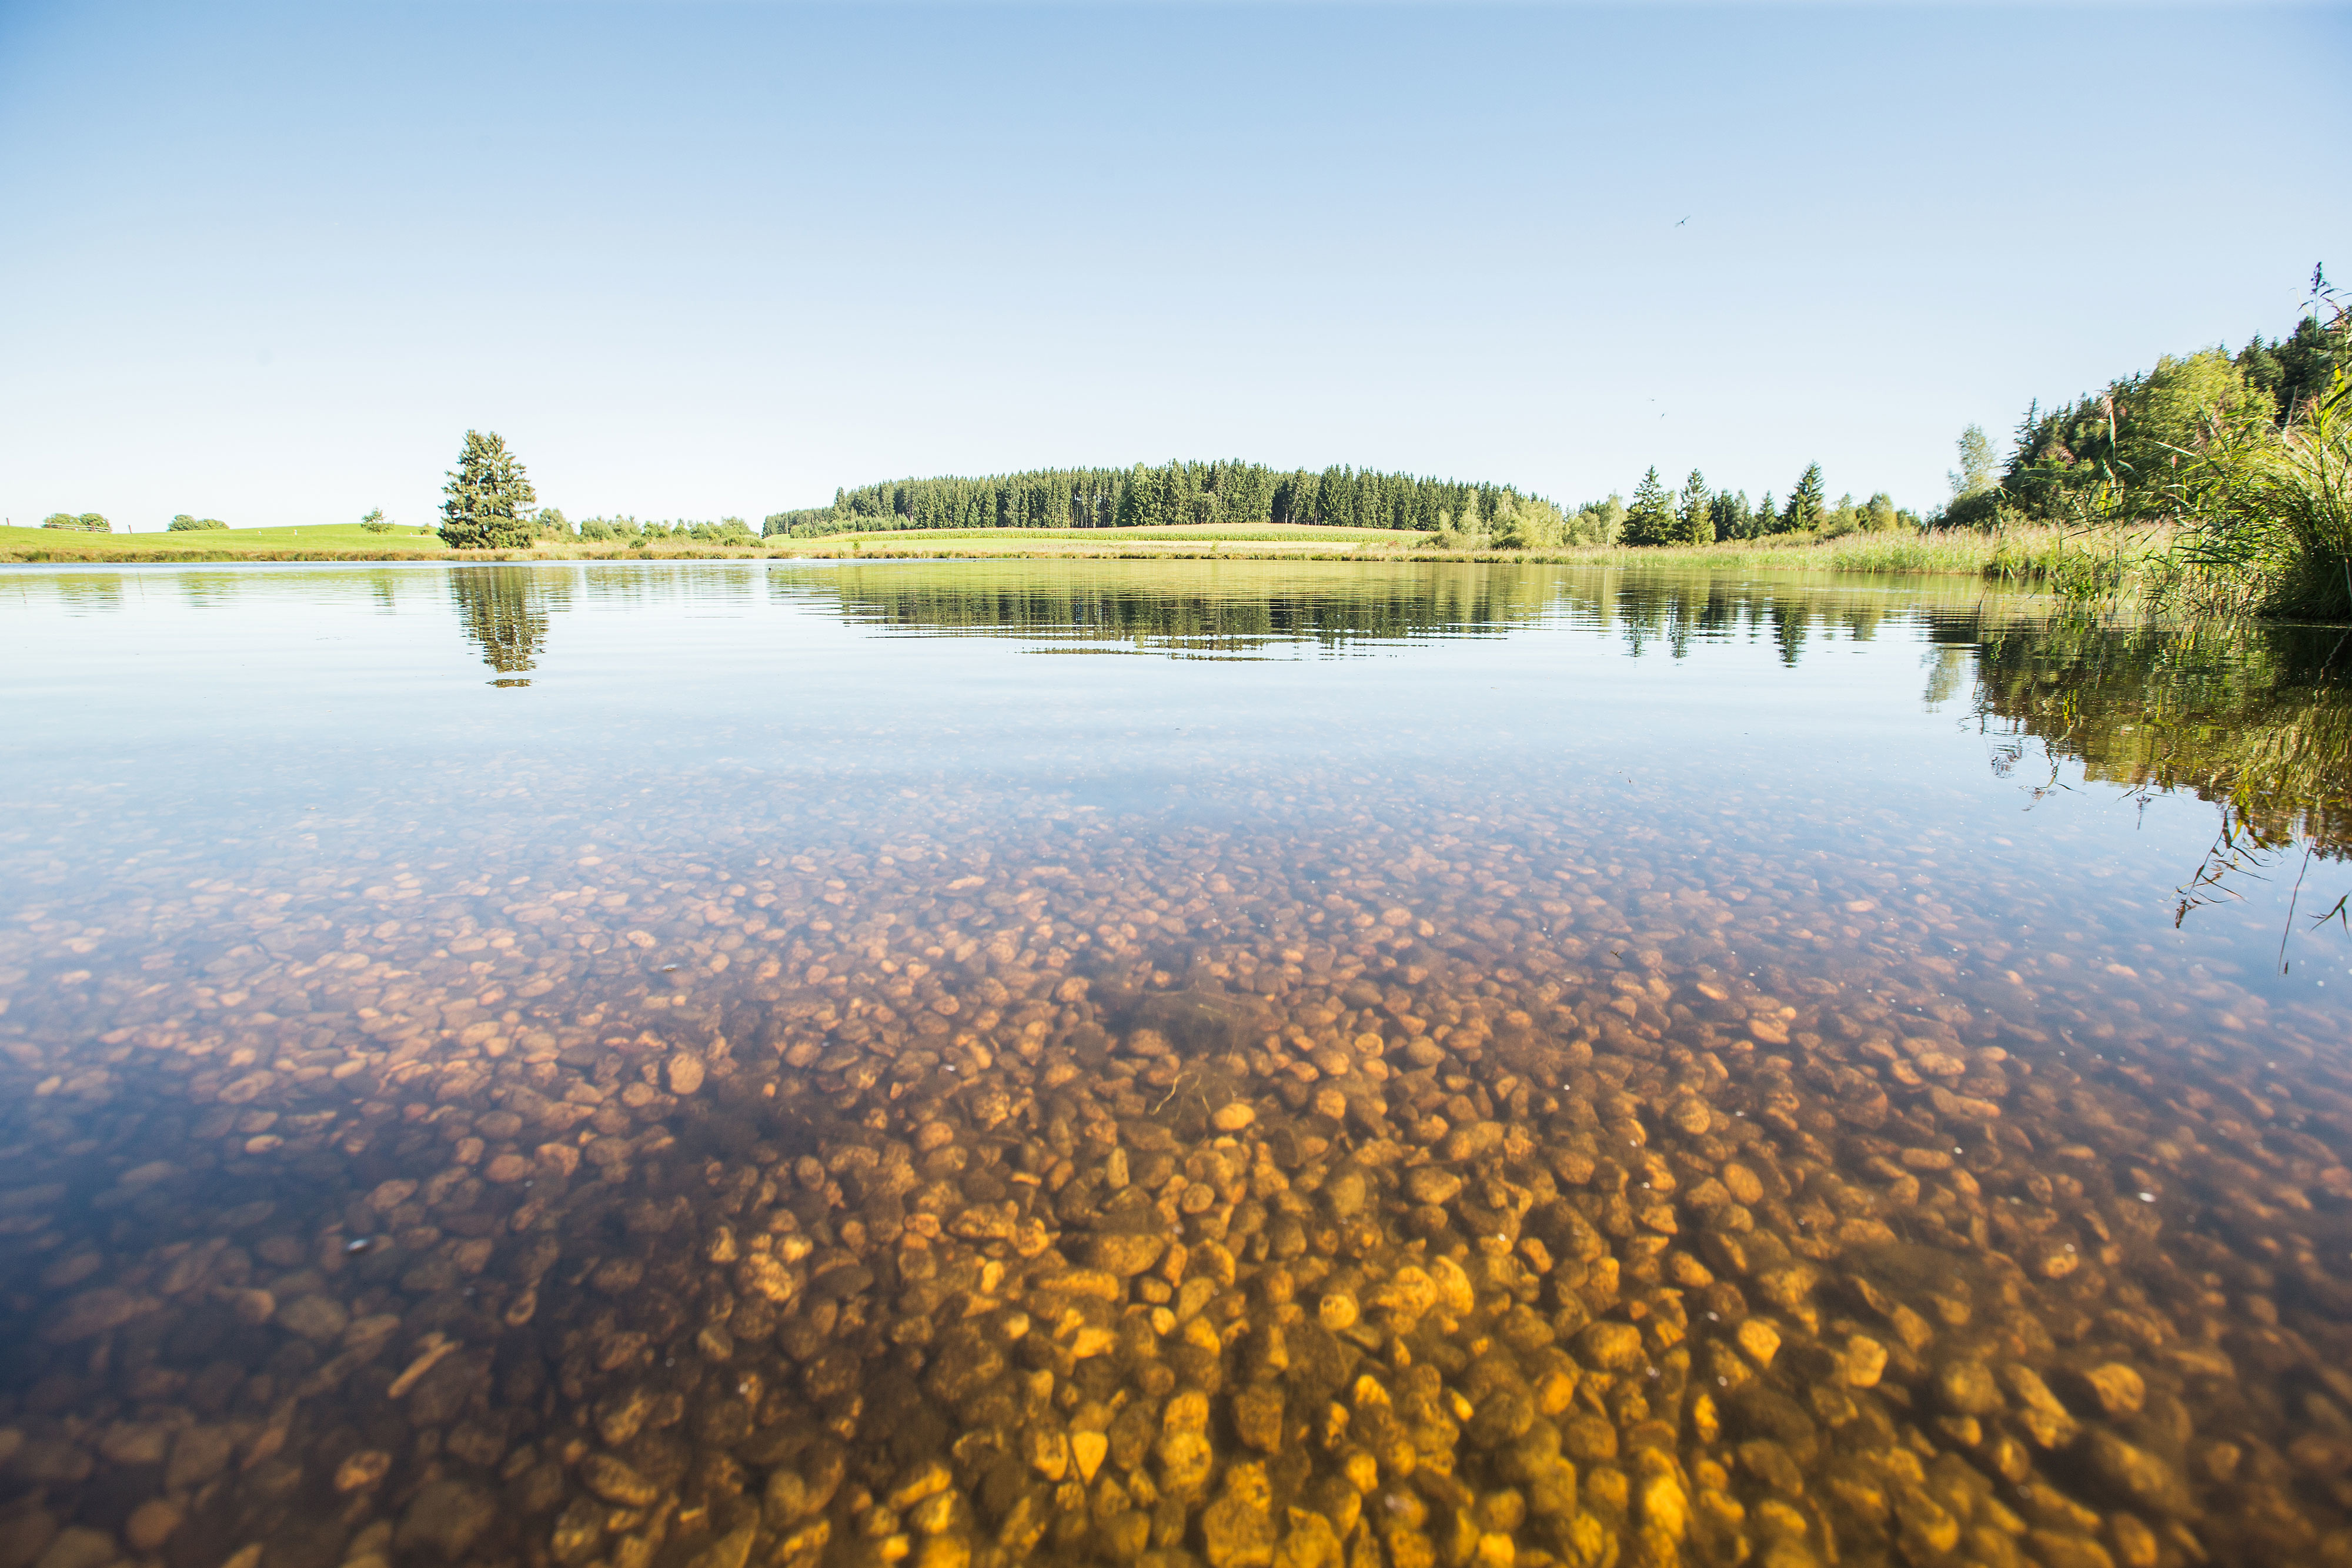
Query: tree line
point(1696, 514)
point(626, 529)
point(2246, 456)
point(1171, 494)
point(1463, 514)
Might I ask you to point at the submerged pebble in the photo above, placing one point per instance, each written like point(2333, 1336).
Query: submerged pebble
point(1427, 1202)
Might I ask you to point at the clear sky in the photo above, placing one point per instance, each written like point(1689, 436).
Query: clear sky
point(268, 263)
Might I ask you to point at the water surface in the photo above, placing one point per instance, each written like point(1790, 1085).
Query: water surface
point(1313, 1063)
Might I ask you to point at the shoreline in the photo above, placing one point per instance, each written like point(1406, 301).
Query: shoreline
point(1972, 555)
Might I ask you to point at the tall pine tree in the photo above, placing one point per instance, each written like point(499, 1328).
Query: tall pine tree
point(489, 498)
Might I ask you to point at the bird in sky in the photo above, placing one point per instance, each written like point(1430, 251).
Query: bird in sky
point(1681, 221)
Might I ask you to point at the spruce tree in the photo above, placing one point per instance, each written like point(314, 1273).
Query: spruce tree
point(1804, 509)
point(1650, 520)
point(489, 497)
point(1728, 513)
point(1694, 517)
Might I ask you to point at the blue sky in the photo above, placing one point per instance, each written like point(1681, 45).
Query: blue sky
point(269, 263)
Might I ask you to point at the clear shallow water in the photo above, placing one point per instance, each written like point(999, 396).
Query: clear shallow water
point(743, 1063)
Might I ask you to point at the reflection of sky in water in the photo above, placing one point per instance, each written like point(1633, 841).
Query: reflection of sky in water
point(355, 703)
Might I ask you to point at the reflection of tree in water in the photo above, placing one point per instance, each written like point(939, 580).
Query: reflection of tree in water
point(1211, 611)
point(1678, 613)
point(504, 611)
point(2257, 719)
point(1238, 607)
point(89, 593)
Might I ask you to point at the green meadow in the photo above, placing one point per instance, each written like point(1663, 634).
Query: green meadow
point(319, 541)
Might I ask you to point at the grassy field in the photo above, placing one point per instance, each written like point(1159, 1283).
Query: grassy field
point(2024, 553)
point(322, 541)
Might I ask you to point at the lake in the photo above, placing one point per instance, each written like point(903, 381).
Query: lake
point(1326, 1065)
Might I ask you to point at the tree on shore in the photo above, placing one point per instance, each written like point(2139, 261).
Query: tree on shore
point(1979, 468)
point(1650, 520)
point(489, 498)
point(1694, 512)
point(1804, 508)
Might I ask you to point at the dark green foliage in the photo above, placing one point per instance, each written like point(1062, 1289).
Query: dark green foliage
point(1981, 510)
point(1731, 515)
point(79, 523)
point(2290, 373)
point(1804, 508)
point(1650, 520)
point(1171, 494)
point(489, 498)
point(185, 523)
point(2115, 452)
point(2124, 453)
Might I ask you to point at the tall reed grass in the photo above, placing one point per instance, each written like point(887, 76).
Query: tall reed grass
point(2270, 515)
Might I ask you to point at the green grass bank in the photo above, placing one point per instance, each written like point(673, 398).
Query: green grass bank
point(2025, 553)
